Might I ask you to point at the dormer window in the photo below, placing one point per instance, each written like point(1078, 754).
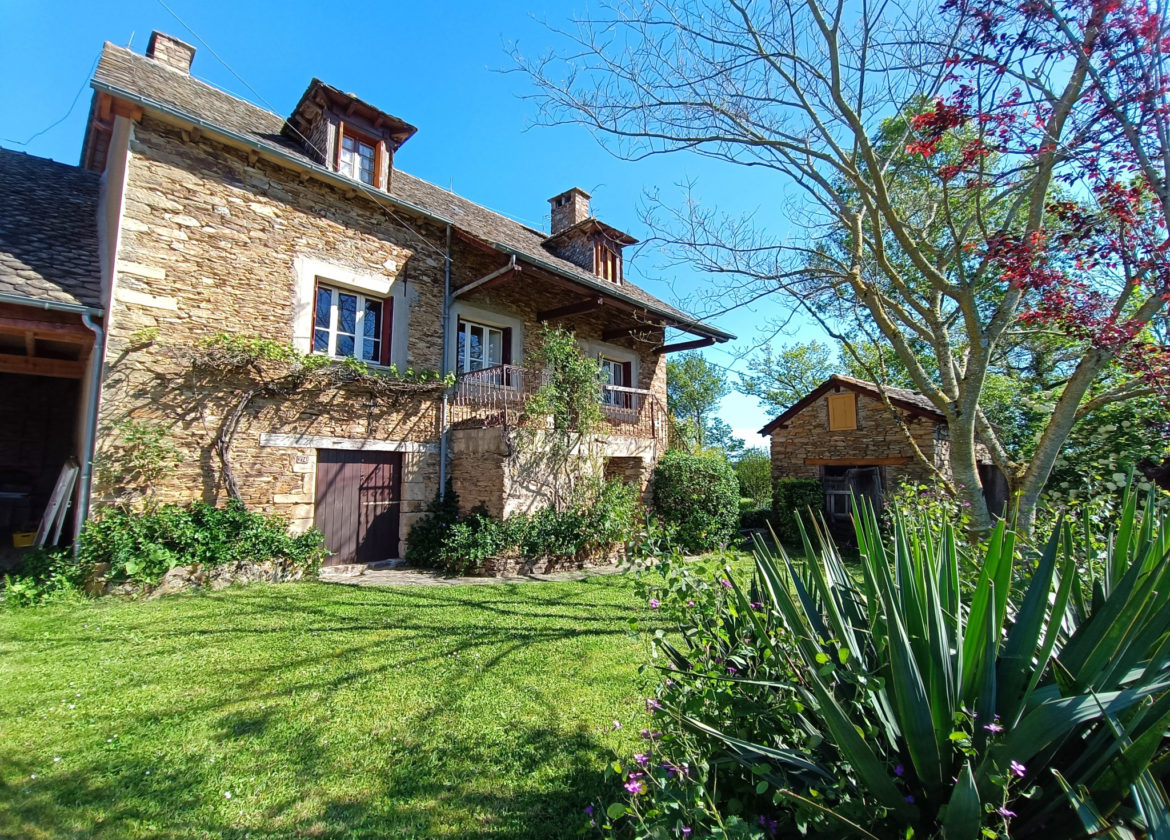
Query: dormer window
point(357, 156)
point(607, 263)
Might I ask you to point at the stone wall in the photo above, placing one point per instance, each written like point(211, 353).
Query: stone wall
point(208, 242)
point(878, 435)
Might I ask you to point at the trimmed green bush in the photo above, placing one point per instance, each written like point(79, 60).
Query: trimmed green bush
point(140, 547)
point(793, 497)
point(425, 539)
point(606, 515)
point(700, 496)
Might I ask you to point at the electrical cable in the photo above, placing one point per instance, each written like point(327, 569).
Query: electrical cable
point(72, 105)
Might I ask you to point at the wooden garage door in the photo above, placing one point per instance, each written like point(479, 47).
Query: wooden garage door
point(358, 501)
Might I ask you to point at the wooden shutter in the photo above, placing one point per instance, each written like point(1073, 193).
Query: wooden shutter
point(842, 412)
point(387, 329)
point(506, 350)
point(627, 400)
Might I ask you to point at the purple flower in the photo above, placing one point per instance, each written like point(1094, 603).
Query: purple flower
point(731, 669)
point(910, 799)
point(1019, 769)
point(635, 787)
point(899, 770)
point(589, 810)
point(652, 704)
point(1005, 813)
point(686, 831)
point(651, 736)
point(725, 583)
point(654, 603)
point(641, 759)
point(690, 603)
point(993, 728)
point(616, 726)
point(757, 605)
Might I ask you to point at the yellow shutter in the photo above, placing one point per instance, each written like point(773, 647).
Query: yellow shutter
point(842, 412)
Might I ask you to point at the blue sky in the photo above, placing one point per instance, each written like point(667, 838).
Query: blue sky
point(437, 65)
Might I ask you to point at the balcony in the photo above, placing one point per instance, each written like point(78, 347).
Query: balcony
point(497, 396)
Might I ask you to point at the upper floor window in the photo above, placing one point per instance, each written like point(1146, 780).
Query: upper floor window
point(480, 346)
point(607, 263)
point(620, 374)
point(348, 324)
point(357, 156)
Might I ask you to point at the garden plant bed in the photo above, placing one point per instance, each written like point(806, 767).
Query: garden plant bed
point(324, 711)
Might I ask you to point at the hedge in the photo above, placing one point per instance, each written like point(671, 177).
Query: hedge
point(699, 495)
point(792, 496)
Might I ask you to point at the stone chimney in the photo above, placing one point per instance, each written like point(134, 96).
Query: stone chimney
point(168, 50)
point(568, 209)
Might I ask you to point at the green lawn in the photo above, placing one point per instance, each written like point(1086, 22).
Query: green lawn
point(323, 710)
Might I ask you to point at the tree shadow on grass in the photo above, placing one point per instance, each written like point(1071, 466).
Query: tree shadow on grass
point(521, 775)
point(552, 777)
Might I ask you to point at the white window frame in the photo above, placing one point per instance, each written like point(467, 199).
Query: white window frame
point(485, 316)
point(349, 162)
point(463, 327)
point(359, 323)
point(613, 368)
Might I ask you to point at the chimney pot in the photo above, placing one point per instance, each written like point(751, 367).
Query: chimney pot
point(568, 209)
point(169, 50)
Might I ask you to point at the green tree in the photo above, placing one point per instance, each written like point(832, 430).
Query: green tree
point(694, 388)
point(778, 378)
point(754, 471)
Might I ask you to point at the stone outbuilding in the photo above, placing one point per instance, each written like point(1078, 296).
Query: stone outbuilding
point(206, 216)
point(843, 434)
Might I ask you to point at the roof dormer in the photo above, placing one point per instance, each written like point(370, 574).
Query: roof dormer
point(584, 240)
point(347, 135)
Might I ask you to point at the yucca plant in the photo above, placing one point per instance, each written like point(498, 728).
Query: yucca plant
point(1033, 701)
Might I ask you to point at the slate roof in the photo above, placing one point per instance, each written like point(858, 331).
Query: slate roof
point(49, 231)
point(904, 398)
point(152, 84)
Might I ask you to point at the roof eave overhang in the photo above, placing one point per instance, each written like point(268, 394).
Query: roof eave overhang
point(236, 138)
point(686, 324)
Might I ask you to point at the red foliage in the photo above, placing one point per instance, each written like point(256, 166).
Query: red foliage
point(1096, 267)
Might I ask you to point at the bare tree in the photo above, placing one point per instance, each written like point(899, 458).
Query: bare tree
point(986, 171)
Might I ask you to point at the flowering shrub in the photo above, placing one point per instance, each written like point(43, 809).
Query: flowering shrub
point(906, 704)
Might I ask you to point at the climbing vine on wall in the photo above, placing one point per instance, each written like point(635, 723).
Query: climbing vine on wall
point(562, 418)
point(269, 369)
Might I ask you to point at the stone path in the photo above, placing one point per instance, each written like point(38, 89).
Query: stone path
point(404, 576)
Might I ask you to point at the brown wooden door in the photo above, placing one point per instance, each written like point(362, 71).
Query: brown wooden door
point(358, 500)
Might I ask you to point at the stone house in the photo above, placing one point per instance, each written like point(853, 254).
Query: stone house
point(214, 216)
point(843, 434)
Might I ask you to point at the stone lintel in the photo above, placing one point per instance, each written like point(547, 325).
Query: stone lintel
point(325, 442)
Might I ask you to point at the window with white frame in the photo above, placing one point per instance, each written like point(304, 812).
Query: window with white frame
point(357, 159)
point(480, 346)
point(614, 372)
point(348, 324)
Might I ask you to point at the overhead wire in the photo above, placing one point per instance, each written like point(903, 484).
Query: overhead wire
point(72, 105)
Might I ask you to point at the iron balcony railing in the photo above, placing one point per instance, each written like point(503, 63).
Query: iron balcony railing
point(497, 396)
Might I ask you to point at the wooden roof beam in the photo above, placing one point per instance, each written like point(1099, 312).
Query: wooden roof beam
point(578, 308)
point(684, 345)
point(62, 368)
